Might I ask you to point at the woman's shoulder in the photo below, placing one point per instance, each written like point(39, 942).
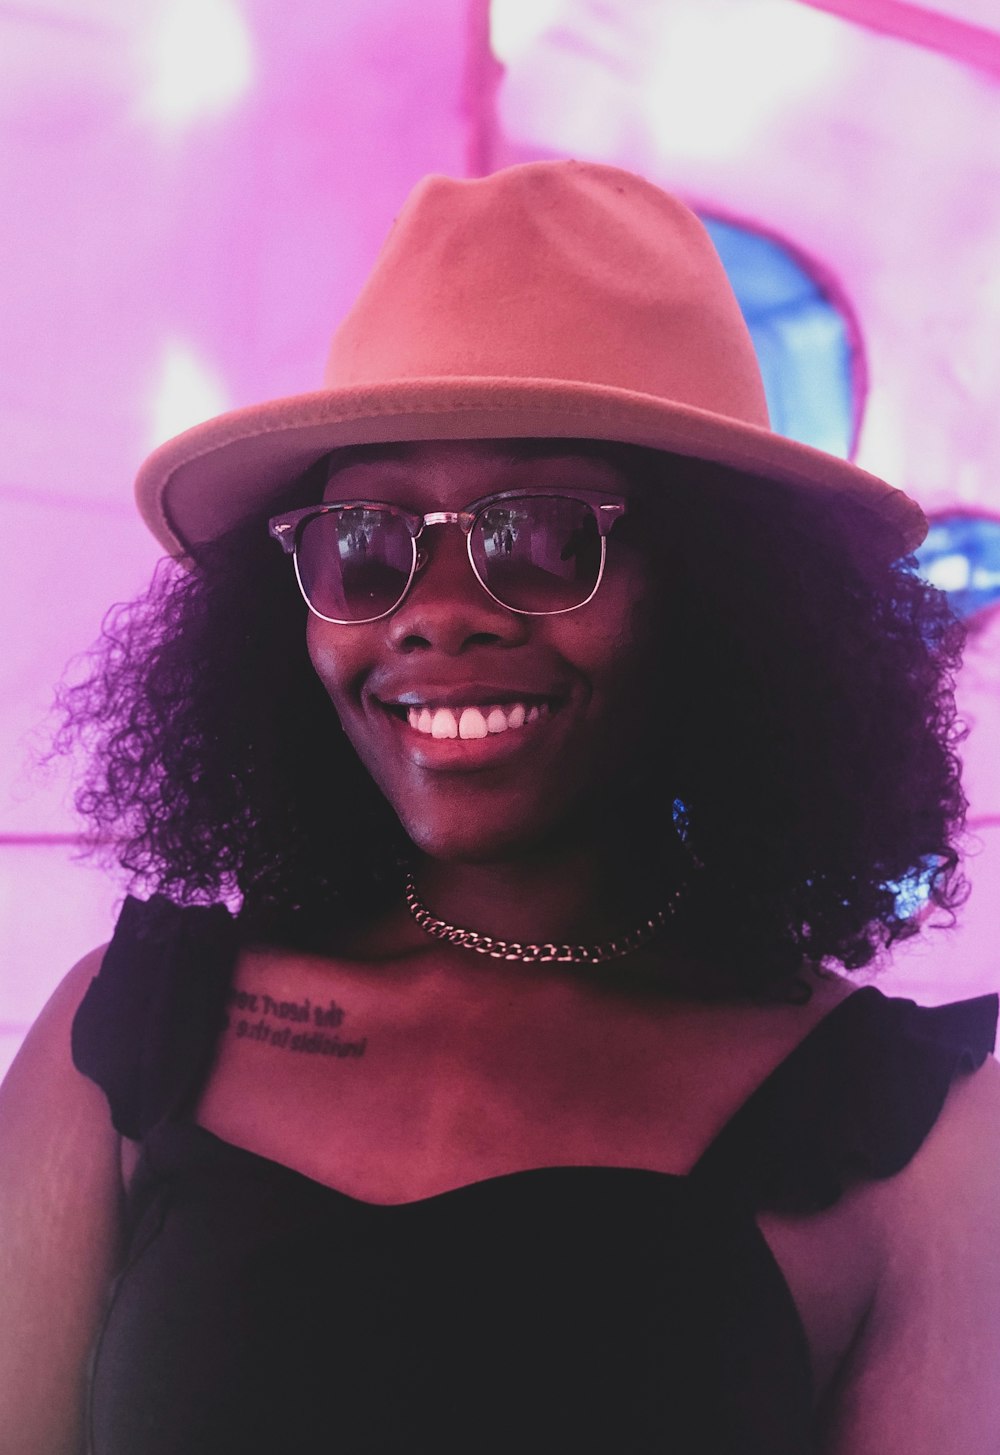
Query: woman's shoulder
point(46, 1047)
point(933, 1325)
point(145, 1026)
point(953, 1178)
point(59, 1223)
point(56, 1138)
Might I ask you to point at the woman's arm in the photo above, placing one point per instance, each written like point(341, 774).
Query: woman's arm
point(60, 1208)
point(924, 1376)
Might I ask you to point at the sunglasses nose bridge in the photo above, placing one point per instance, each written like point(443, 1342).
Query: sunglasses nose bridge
point(463, 518)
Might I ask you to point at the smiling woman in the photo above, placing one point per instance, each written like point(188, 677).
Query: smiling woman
point(556, 735)
point(575, 675)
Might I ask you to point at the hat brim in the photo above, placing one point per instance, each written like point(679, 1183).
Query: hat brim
point(195, 486)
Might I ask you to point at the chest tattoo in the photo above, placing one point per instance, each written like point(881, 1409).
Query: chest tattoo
point(291, 1025)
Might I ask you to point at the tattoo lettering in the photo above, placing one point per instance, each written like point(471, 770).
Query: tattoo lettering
point(304, 1029)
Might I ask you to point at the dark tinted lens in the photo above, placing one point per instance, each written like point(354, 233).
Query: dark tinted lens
point(538, 553)
point(354, 564)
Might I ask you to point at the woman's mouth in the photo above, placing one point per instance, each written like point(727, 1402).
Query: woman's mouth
point(474, 721)
point(470, 736)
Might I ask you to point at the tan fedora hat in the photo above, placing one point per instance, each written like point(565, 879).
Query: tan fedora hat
point(554, 299)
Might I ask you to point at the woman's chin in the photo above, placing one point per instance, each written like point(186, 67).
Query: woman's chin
point(470, 843)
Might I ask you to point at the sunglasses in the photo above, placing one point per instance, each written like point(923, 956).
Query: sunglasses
point(538, 553)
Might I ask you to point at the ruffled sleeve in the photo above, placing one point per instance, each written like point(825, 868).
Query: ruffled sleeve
point(853, 1102)
point(146, 1028)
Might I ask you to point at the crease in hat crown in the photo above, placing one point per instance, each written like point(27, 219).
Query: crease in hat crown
point(563, 299)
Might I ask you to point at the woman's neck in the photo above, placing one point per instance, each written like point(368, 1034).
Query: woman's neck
point(569, 897)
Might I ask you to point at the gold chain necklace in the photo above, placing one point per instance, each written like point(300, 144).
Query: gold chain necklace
point(535, 954)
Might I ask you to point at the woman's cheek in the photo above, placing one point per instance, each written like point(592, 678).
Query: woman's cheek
point(329, 656)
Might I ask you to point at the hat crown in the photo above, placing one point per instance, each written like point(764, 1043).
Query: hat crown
point(557, 299)
point(562, 271)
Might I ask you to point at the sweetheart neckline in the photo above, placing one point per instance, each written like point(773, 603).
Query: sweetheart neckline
point(213, 1139)
point(742, 1112)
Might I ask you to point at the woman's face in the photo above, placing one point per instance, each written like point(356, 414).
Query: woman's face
point(553, 778)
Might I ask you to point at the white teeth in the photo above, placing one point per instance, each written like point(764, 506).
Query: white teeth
point(473, 722)
point(444, 724)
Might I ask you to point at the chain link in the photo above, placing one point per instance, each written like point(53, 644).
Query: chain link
point(535, 954)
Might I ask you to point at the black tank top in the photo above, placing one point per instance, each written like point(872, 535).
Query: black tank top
point(561, 1309)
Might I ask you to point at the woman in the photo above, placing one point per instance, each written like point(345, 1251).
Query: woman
point(517, 1103)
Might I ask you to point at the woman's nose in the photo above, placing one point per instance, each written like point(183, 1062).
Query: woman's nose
point(446, 604)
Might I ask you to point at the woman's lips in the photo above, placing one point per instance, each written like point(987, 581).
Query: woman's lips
point(459, 755)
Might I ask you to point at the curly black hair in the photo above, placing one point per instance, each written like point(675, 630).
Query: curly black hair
point(808, 718)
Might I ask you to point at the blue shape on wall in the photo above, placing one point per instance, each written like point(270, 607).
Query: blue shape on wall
point(961, 556)
point(802, 339)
